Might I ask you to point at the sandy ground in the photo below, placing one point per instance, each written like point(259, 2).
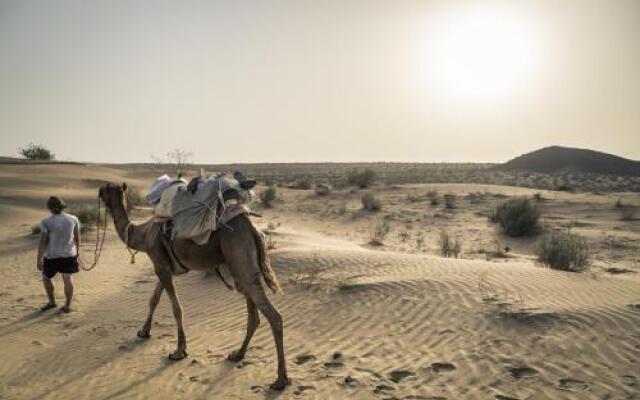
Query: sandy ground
point(390, 322)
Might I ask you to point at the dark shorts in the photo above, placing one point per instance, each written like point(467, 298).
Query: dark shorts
point(67, 265)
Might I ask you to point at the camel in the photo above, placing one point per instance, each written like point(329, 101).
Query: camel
point(241, 249)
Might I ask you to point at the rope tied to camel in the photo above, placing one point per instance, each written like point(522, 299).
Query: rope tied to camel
point(97, 252)
point(132, 253)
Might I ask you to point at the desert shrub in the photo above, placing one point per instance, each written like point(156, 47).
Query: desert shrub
point(36, 152)
point(619, 204)
point(272, 244)
point(449, 247)
point(370, 202)
point(537, 196)
point(268, 195)
point(323, 190)
point(36, 229)
point(404, 236)
point(134, 197)
point(379, 232)
point(419, 240)
point(433, 197)
point(628, 213)
point(564, 251)
point(450, 201)
point(517, 216)
point(87, 214)
point(362, 179)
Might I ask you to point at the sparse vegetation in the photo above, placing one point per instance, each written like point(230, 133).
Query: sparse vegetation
point(36, 229)
point(36, 152)
point(404, 236)
point(87, 214)
point(370, 202)
point(419, 240)
point(362, 179)
point(271, 243)
point(323, 189)
point(449, 247)
point(517, 216)
point(268, 195)
point(433, 198)
point(450, 201)
point(379, 232)
point(563, 251)
point(134, 197)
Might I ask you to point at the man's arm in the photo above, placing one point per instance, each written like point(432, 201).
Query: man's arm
point(76, 239)
point(42, 248)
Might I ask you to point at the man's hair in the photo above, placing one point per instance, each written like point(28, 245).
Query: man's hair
point(56, 204)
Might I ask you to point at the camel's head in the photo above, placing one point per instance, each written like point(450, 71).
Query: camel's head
point(112, 195)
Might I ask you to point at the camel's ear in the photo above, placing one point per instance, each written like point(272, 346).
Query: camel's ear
point(124, 187)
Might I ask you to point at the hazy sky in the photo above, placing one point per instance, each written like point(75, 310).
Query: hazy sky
point(339, 80)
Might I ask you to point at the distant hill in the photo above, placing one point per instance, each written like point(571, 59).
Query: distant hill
point(557, 159)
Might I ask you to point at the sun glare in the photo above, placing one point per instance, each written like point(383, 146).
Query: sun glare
point(480, 54)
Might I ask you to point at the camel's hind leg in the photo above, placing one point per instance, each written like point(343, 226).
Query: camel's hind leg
point(256, 292)
point(167, 282)
point(253, 320)
point(145, 332)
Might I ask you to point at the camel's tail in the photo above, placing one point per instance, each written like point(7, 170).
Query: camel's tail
point(265, 266)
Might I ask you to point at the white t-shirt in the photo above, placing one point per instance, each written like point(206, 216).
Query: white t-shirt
point(59, 228)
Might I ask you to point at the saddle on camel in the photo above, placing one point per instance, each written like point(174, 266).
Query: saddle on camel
point(207, 226)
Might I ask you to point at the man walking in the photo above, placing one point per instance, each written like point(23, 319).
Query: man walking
point(58, 251)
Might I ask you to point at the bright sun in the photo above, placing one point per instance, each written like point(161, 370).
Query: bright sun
point(480, 54)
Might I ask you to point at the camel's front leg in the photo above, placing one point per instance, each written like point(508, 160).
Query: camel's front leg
point(145, 332)
point(181, 351)
point(253, 320)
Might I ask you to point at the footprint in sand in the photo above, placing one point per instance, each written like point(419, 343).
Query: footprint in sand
point(442, 367)
point(336, 361)
point(629, 380)
point(399, 374)
point(302, 388)
point(572, 384)
point(304, 358)
point(523, 372)
point(503, 397)
point(383, 389)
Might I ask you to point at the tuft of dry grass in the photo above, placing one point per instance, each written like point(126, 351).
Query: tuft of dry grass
point(449, 247)
point(379, 232)
point(370, 202)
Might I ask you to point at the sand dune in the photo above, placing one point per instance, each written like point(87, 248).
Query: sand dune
point(359, 323)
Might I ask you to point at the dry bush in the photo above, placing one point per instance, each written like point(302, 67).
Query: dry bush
point(564, 251)
point(268, 195)
point(404, 236)
point(449, 247)
point(36, 152)
point(517, 216)
point(450, 201)
point(370, 202)
point(362, 179)
point(134, 197)
point(36, 229)
point(378, 233)
point(87, 214)
point(419, 240)
point(432, 195)
point(323, 189)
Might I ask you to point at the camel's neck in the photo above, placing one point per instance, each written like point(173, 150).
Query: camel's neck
point(130, 234)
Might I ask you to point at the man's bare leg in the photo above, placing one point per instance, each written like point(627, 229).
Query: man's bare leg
point(48, 287)
point(68, 292)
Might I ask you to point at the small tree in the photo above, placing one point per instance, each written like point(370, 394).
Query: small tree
point(36, 152)
point(176, 157)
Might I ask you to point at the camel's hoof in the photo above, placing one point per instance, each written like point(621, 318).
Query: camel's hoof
point(235, 356)
point(178, 355)
point(280, 384)
point(143, 334)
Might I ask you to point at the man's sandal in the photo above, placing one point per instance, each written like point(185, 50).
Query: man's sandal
point(47, 306)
